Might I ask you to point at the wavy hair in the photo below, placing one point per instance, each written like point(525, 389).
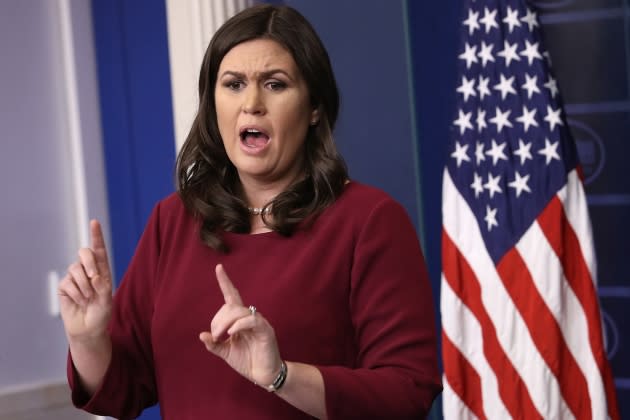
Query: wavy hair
point(208, 182)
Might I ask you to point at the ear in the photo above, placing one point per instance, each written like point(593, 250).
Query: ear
point(315, 116)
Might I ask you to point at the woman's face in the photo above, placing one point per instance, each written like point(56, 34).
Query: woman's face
point(263, 111)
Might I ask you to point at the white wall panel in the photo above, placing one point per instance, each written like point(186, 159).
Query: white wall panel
point(191, 24)
point(51, 169)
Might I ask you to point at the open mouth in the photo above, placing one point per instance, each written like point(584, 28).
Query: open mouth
point(253, 138)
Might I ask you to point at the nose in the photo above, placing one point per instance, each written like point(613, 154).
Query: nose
point(253, 102)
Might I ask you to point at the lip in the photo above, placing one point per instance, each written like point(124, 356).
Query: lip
point(253, 150)
point(243, 128)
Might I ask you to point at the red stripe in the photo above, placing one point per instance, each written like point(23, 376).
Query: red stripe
point(462, 377)
point(546, 332)
point(464, 283)
point(566, 245)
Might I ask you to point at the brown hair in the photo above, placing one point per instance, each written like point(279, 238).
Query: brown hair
point(208, 182)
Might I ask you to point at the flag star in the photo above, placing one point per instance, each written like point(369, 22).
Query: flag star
point(485, 54)
point(463, 121)
point(493, 185)
point(512, 18)
point(482, 86)
point(489, 19)
point(467, 88)
point(531, 19)
point(552, 85)
point(528, 118)
point(477, 186)
point(460, 153)
point(531, 52)
point(496, 151)
point(470, 55)
point(548, 57)
point(520, 184)
point(491, 218)
point(501, 119)
point(524, 151)
point(550, 151)
point(531, 85)
point(479, 152)
point(505, 86)
point(481, 119)
point(509, 52)
point(472, 21)
point(553, 117)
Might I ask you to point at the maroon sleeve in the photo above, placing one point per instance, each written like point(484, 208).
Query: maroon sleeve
point(396, 373)
point(129, 383)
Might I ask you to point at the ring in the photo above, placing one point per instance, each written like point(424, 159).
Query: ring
point(252, 309)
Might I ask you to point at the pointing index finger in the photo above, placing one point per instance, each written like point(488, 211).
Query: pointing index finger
point(99, 248)
point(230, 293)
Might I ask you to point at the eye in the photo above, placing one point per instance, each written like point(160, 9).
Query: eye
point(235, 85)
point(275, 85)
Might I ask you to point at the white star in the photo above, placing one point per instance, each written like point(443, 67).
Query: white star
point(553, 117)
point(505, 86)
point(550, 151)
point(512, 18)
point(493, 185)
point(491, 218)
point(531, 19)
point(520, 184)
point(496, 151)
point(481, 119)
point(552, 85)
point(501, 119)
point(523, 151)
point(531, 52)
point(463, 121)
point(472, 22)
point(509, 52)
point(548, 57)
point(485, 54)
point(470, 55)
point(482, 86)
point(467, 88)
point(531, 85)
point(460, 153)
point(479, 152)
point(476, 185)
point(489, 19)
point(528, 118)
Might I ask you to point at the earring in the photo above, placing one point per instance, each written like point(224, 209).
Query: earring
point(315, 121)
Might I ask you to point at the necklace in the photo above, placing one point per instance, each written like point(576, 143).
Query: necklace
point(257, 211)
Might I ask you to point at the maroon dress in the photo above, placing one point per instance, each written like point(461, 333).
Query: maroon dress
point(349, 295)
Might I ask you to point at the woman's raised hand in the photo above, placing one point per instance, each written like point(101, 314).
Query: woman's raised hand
point(85, 293)
point(242, 337)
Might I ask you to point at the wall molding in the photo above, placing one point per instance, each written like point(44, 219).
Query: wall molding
point(191, 24)
point(39, 402)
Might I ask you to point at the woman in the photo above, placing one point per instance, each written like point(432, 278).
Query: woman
point(268, 270)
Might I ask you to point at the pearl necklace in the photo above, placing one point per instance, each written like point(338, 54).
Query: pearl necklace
point(257, 211)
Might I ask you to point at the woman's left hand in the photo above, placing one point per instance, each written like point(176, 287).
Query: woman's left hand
point(242, 337)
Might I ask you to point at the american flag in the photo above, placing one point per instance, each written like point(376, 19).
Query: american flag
point(522, 332)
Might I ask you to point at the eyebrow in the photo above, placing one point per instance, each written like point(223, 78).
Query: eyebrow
point(263, 74)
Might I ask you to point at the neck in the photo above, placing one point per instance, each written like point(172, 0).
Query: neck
point(258, 193)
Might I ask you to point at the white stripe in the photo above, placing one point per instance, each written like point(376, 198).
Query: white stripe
point(546, 272)
point(464, 331)
point(574, 201)
point(512, 333)
point(452, 406)
point(73, 122)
